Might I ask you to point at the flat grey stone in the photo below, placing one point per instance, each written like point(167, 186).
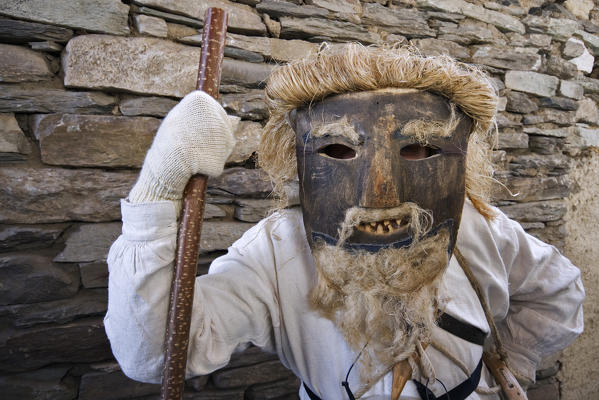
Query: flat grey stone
point(19, 64)
point(89, 242)
point(537, 40)
point(436, 47)
point(471, 32)
point(546, 145)
point(13, 143)
point(573, 48)
point(153, 26)
point(589, 85)
point(100, 385)
point(559, 132)
point(271, 48)
point(136, 64)
point(589, 137)
point(28, 99)
point(561, 103)
point(253, 210)
point(82, 341)
point(404, 22)
point(220, 235)
point(107, 16)
point(507, 57)
point(150, 106)
point(590, 40)
point(42, 384)
point(559, 67)
point(339, 6)
point(545, 115)
point(508, 120)
point(502, 21)
point(94, 274)
point(268, 371)
point(15, 31)
point(48, 46)
point(537, 165)
point(23, 237)
point(571, 89)
point(43, 195)
point(249, 105)
point(277, 8)
point(99, 140)
point(587, 112)
point(253, 183)
point(531, 82)
point(240, 17)
point(452, 17)
point(84, 304)
point(243, 73)
point(317, 28)
point(561, 29)
point(527, 189)
point(35, 278)
point(520, 103)
point(247, 138)
point(517, 140)
point(175, 18)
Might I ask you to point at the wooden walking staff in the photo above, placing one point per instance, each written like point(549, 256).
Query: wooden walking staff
point(188, 240)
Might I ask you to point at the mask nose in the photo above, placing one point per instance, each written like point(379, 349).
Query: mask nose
point(380, 189)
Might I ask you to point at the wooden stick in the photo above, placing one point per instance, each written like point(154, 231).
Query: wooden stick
point(402, 373)
point(502, 374)
point(188, 240)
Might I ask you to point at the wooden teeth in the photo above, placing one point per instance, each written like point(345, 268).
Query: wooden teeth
point(382, 227)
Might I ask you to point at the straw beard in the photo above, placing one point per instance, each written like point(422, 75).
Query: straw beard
point(387, 300)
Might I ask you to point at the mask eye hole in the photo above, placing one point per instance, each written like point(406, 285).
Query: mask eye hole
point(418, 152)
point(338, 151)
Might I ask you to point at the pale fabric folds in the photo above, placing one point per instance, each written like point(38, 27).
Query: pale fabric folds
point(257, 294)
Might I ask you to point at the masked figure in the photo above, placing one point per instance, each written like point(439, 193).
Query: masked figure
point(392, 153)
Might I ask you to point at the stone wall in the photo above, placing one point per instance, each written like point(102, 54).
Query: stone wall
point(84, 84)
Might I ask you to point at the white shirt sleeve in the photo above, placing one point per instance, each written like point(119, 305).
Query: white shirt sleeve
point(535, 294)
point(233, 305)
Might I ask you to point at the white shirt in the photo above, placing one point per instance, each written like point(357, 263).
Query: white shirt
point(257, 294)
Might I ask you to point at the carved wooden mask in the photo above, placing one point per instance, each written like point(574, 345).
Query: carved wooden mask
point(379, 149)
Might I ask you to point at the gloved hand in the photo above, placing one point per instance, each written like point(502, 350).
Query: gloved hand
point(196, 137)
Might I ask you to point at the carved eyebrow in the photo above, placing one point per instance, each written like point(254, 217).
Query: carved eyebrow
point(422, 130)
point(340, 127)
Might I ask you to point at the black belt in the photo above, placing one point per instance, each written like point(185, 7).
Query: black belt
point(462, 330)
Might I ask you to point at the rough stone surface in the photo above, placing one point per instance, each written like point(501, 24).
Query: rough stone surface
point(266, 372)
point(587, 112)
point(571, 89)
point(28, 99)
point(561, 103)
point(592, 41)
point(552, 210)
point(89, 242)
point(44, 384)
point(276, 8)
point(559, 132)
point(507, 58)
point(35, 278)
point(77, 342)
point(292, 28)
point(113, 385)
point(434, 47)
point(470, 32)
point(242, 182)
point(516, 140)
point(580, 8)
point(94, 274)
point(573, 48)
point(42, 195)
point(98, 140)
point(519, 102)
point(271, 48)
point(502, 21)
point(548, 115)
point(560, 68)
point(404, 22)
point(584, 62)
point(252, 210)
point(221, 235)
point(13, 143)
point(241, 18)
point(246, 105)
point(531, 82)
point(23, 237)
point(18, 64)
point(142, 65)
point(236, 72)
point(15, 31)
point(150, 106)
point(247, 136)
point(170, 17)
point(108, 16)
point(540, 188)
point(544, 391)
point(50, 47)
point(153, 26)
point(85, 303)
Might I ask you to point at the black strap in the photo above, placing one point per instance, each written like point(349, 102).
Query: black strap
point(461, 329)
point(311, 394)
point(459, 392)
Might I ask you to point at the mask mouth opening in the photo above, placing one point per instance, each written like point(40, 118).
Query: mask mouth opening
point(338, 151)
point(385, 227)
point(417, 151)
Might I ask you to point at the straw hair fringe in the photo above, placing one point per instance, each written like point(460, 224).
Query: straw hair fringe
point(353, 67)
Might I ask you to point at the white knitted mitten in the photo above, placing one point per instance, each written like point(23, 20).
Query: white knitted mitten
point(196, 137)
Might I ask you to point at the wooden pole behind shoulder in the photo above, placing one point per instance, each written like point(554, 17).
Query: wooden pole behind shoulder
point(188, 240)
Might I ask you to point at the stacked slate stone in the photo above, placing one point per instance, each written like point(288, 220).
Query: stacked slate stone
point(85, 83)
